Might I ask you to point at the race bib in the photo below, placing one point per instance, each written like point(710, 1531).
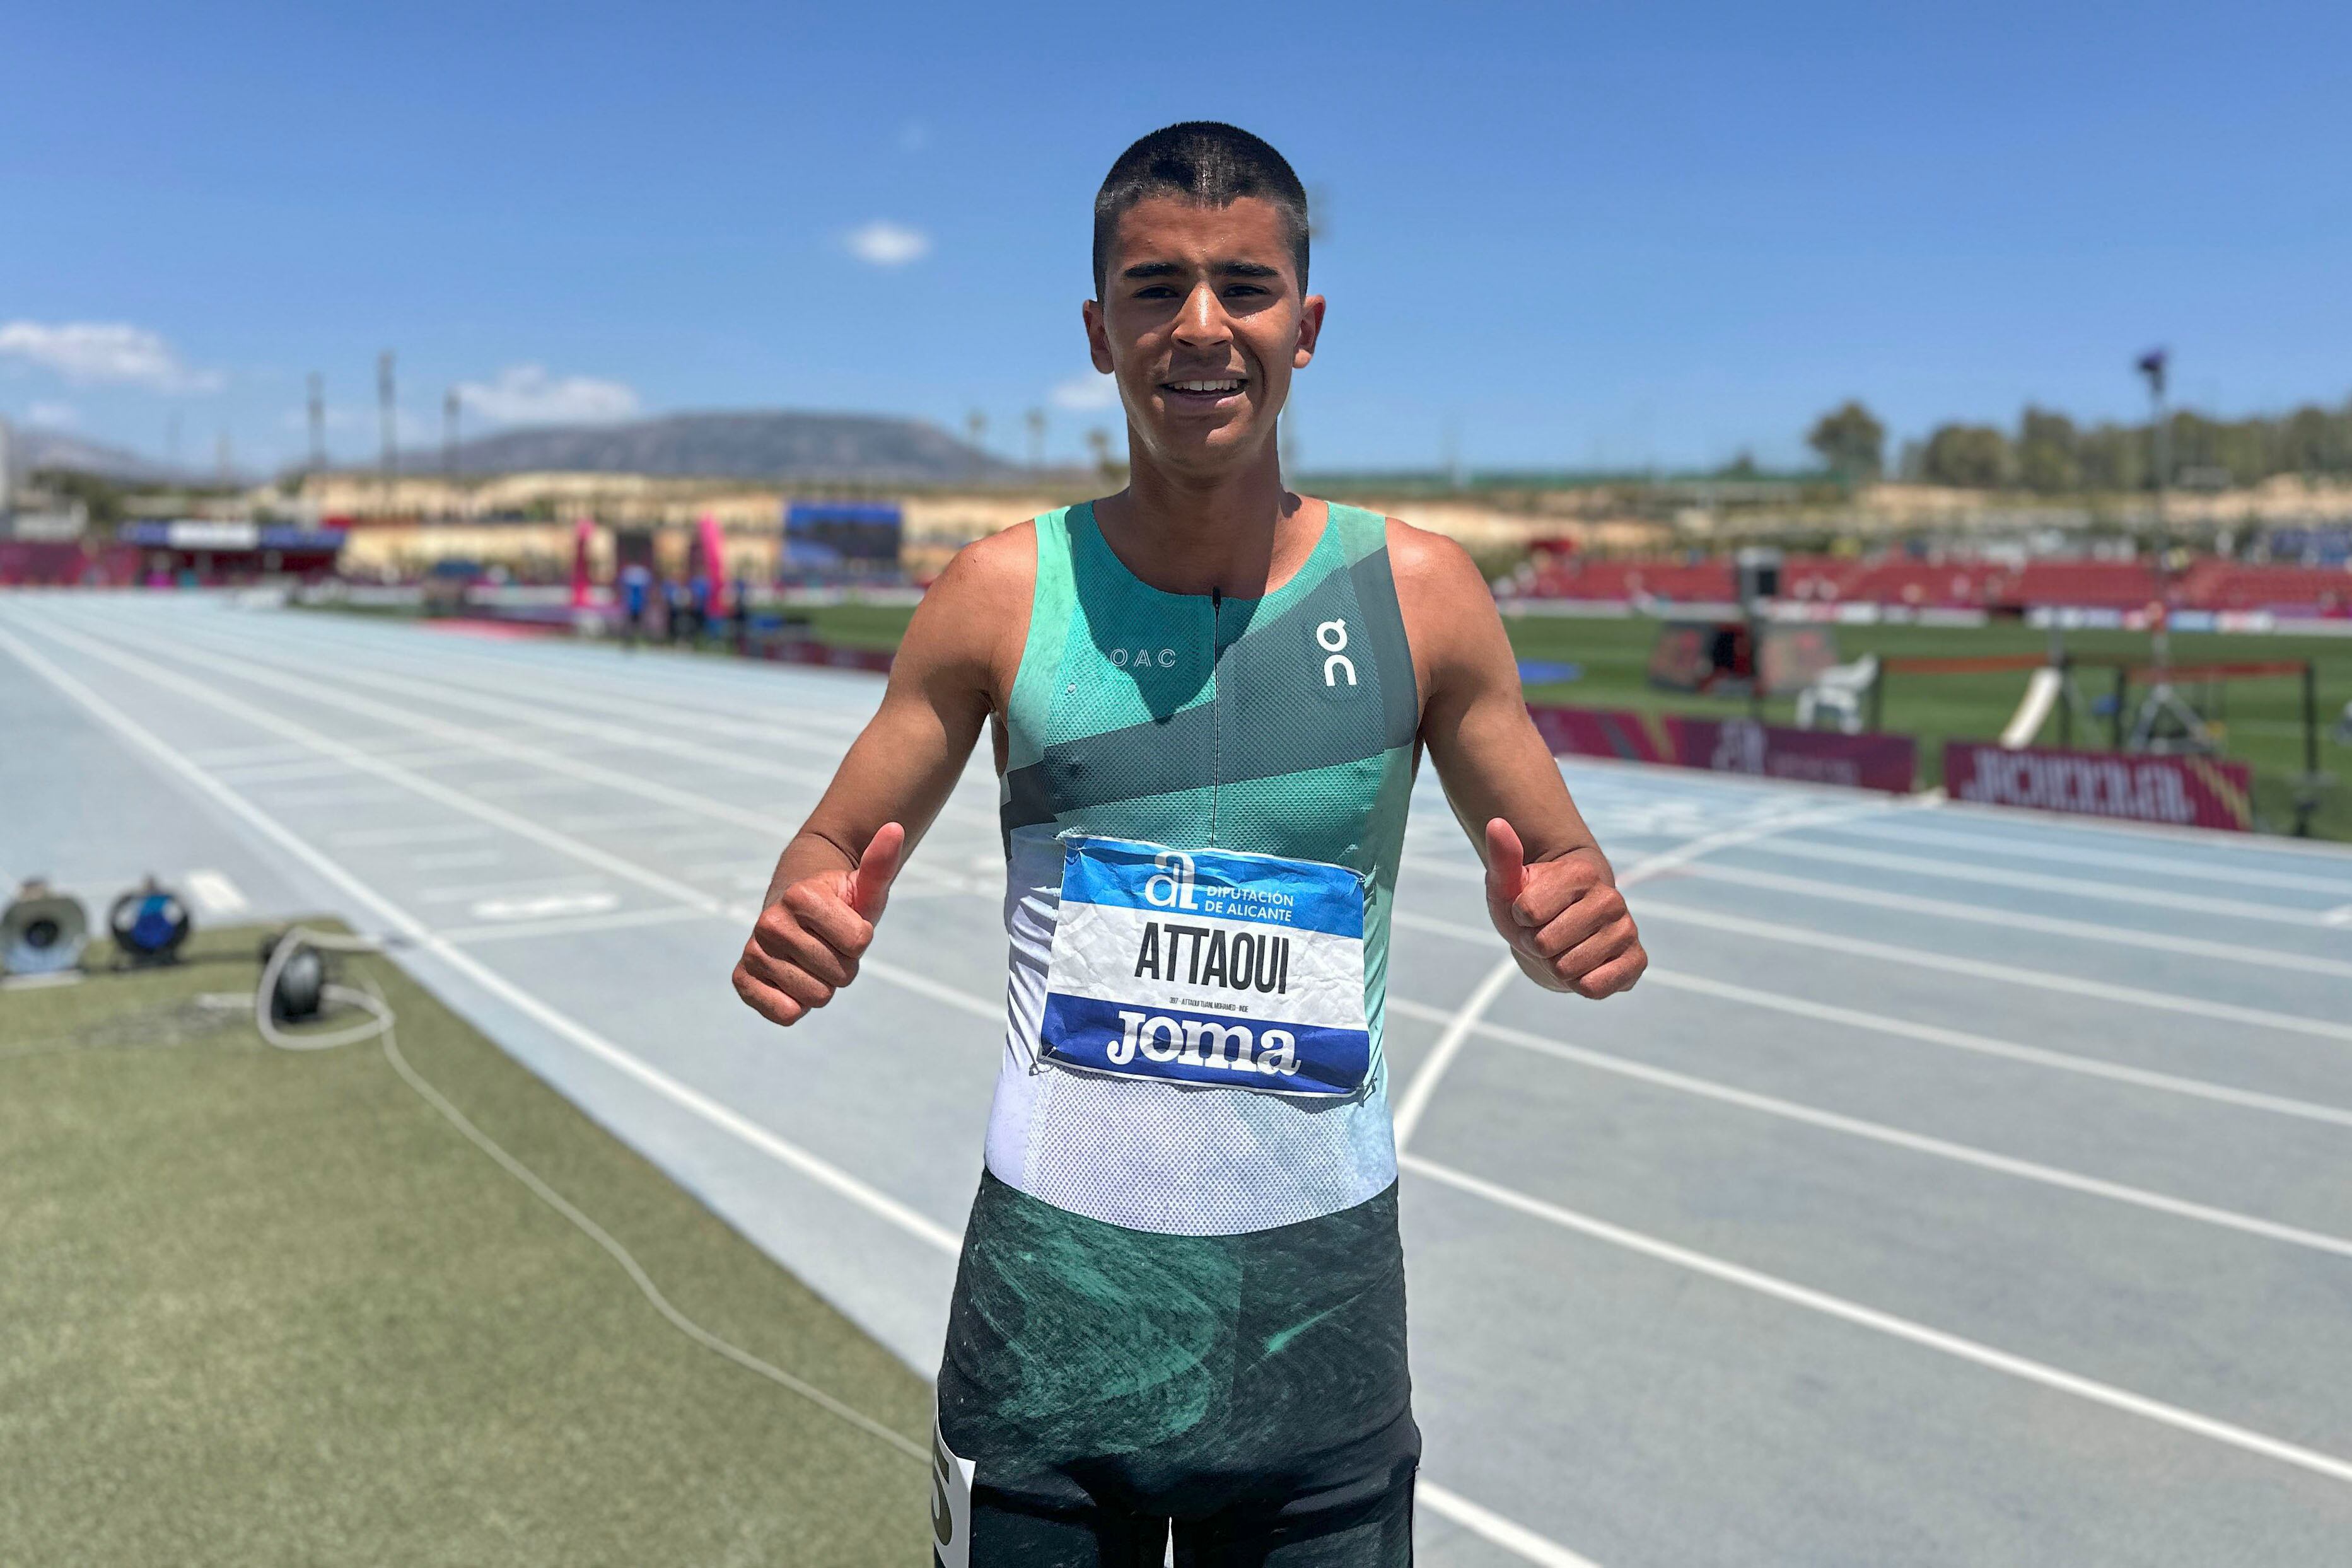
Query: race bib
point(1208, 967)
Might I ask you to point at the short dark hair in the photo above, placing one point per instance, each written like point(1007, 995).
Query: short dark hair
point(1205, 162)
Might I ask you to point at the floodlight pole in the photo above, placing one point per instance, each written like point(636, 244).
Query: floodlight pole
point(318, 422)
point(385, 406)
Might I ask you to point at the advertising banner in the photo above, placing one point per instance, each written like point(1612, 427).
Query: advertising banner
point(2185, 792)
point(1888, 762)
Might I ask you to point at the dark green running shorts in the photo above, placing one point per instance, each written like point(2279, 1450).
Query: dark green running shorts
point(1101, 1385)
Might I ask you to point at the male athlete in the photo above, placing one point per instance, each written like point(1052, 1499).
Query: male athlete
point(1182, 1299)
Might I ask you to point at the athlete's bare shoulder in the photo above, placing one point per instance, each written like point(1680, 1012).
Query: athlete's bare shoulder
point(1432, 561)
point(1450, 619)
point(988, 568)
point(974, 618)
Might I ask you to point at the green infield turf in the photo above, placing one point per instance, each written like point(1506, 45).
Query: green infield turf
point(264, 1308)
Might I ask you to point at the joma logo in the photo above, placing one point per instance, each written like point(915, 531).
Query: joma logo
point(1228, 1047)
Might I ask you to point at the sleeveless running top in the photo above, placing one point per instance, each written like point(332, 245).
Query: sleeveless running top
point(1285, 725)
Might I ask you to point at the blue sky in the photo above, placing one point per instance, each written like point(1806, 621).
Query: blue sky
point(1577, 234)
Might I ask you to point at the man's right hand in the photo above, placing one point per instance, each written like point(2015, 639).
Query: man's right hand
point(805, 946)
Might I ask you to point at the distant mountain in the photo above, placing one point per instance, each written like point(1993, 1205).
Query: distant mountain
point(747, 445)
point(34, 447)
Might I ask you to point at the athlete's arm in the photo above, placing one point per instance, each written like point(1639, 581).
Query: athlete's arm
point(1549, 890)
point(833, 879)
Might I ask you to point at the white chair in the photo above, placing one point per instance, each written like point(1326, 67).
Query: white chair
point(1838, 692)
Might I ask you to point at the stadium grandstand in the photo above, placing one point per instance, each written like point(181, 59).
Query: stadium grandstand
point(184, 553)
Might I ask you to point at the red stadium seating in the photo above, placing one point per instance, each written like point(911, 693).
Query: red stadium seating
point(42, 564)
point(1958, 584)
point(2227, 585)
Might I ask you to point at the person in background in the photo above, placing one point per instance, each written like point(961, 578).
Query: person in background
point(740, 603)
point(636, 584)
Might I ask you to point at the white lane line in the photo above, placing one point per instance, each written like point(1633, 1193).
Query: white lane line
point(666, 700)
point(1823, 1301)
point(469, 892)
point(498, 816)
point(492, 744)
point(416, 783)
point(2018, 920)
point(1424, 1083)
point(727, 1119)
point(661, 707)
point(1458, 1025)
point(2198, 903)
point(757, 866)
point(1982, 914)
point(215, 895)
point(776, 829)
point(1494, 1527)
point(2172, 868)
point(388, 838)
point(498, 744)
point(664, 696)
point(1982, 969)
point(1423, 1087)
point(924, 986)
point(341, 795)
point(700, 841)
point(229, 758)
point(308, 767)
point(1985, 1045)
point(544, 906)
point(518, 788)
point(248, 667)
point(1896, 1137)
point(620, 821)
point(570, 926)
point(2273, 845)
point(453, 860)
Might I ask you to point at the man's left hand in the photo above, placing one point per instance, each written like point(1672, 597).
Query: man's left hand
point(1565, 920)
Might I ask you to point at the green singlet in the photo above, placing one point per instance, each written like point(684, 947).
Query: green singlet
point(1182, 1301)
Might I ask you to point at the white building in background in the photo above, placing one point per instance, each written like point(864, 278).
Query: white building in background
point(26, 514)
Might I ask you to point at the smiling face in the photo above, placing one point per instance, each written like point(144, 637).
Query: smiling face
point(1203, 322)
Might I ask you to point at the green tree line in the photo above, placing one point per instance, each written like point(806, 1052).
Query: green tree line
point(2050, 453)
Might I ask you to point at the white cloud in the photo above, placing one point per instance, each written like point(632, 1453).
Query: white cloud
point(884, 243)
point(104, 352)
point(526, 394)
point(1088, 393)
point(54, 415)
